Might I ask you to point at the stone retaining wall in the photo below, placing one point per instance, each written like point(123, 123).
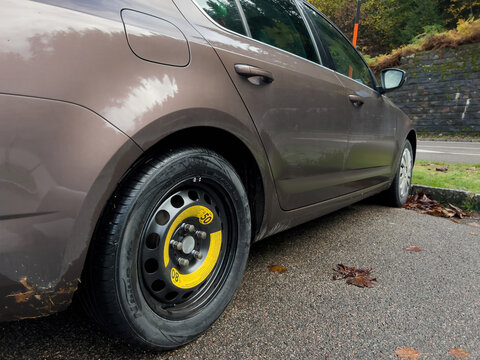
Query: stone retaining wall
point(442, 92)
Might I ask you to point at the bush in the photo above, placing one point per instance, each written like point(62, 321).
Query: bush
point(467, 32)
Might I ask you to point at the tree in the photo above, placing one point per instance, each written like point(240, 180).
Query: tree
point(384, 24)
point(455, 10)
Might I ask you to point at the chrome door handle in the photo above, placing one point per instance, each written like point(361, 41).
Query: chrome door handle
point(356, 100)
point(254, 74)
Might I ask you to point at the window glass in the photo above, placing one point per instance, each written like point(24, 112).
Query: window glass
point(345, 58)
point(279, 23)
point(224, 12)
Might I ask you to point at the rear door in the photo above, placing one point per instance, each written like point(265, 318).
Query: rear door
point(297, 104)
point(372, 145)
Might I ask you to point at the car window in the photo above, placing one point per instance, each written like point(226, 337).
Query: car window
point(346, 59)
point(225, 13)
point(279, 23)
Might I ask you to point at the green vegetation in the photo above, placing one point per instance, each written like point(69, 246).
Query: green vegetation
point(467, 31)
point(458, 176)
point(389, 24)
point(453, 136)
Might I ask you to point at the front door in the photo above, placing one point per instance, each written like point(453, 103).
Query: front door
point(372, 145)
point(295, 103)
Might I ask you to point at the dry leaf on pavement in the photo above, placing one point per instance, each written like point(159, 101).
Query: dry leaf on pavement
point(407, 353)
point(473, 234)
point(459, 353)
point(424, 205)
point(474, 225)
point(361, 281)
point(413, 248)
point(357, 277)
point(277, 268)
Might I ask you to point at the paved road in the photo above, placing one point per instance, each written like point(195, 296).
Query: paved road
point(449, 151)
point(429, 300)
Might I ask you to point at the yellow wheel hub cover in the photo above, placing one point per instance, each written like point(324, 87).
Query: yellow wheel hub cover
point(188, 281)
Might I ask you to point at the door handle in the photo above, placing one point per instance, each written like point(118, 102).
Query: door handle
point(356, 100)
point(254, 74)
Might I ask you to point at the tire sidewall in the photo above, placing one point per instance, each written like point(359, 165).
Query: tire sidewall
point(401, 201)
point(153, 329)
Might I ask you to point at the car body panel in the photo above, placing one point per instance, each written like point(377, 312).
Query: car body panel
point(49, 170)
point(79, 58)
point(371, 142)
point(154, 39)
point(79, 106)
point(304, 129)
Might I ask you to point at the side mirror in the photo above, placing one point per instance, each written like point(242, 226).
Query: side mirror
point(392, 79)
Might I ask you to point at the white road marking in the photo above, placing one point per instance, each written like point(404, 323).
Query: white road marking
point(450, 147)
point(443, 152)
point(429, 151)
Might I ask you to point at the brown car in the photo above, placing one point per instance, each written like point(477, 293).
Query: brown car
point(144, 145)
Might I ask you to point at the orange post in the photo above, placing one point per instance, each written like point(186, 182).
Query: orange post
point(357, 21)
point(355, 35)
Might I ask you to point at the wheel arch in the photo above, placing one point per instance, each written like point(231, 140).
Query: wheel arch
point(412, 137)
point(234, 150)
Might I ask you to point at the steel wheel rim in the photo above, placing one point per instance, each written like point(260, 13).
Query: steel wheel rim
point(159, 287)
point(405, 179)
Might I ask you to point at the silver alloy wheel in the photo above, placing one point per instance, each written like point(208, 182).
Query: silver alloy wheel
point(405, 173)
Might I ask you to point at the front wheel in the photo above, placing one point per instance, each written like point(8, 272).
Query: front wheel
point(170, 249)
point(397, 194)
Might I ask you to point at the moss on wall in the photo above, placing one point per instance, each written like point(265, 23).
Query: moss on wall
point(442, 92)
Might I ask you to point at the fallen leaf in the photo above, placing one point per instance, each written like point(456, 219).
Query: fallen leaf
point(474, 225)
point(413, 248)
point(361, 281)
point(459, 212)
point(473, 234)
point(442, 168)
point(459, 353)
point(424, 205)
point(455, 221)
point(357, 277)
point(24, 282)
point(348, 271)
point(277, 268)
point(407, 353)
point(22, 297)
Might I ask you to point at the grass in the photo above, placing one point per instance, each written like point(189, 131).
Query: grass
point(459, 176)
point(454, 136)
point(467, 32)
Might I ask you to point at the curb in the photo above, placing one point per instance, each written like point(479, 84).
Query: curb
point(450, 140)
point(458, 198)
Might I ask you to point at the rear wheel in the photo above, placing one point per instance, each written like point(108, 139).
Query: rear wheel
point(398, 192)
point(170, 249)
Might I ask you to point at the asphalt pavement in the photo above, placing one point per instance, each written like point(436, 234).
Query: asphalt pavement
point(428, 300)
point(449, 151)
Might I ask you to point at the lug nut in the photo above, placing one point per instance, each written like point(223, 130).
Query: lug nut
point(198, 255)
point(189, 228)
point(201, 234)
point(176, 245)
point(183, 262)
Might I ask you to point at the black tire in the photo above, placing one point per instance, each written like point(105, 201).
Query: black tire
point(130, 288)
point(397, 194)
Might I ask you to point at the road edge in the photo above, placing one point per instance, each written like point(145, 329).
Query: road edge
point(464, 199)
